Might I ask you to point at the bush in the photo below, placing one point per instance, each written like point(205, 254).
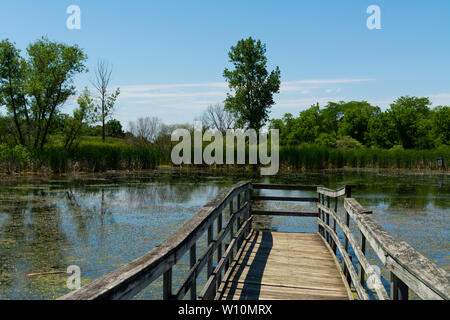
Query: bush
point(347, 142)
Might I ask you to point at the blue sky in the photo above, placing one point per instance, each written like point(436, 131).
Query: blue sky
point(169, 56)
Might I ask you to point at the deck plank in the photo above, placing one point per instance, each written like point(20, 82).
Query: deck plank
point(285, 266)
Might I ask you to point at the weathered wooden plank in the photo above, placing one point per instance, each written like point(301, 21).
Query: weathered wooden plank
point(250, 291)
point(271, 263)
point(362, 294)
point(258, 186)
point(331, 193)
point(284, 213)
point(379, 288)
point(195, 270)
point(420, 274)
point(293, 199)
point(209, 290)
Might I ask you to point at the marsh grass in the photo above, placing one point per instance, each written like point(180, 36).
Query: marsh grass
point(92, 155)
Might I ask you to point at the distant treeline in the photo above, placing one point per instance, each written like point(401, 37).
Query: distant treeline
point(409, 122)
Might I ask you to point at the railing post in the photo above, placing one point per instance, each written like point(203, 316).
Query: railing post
point(320, 215)
point(348, 194)
point(348, 191)
point(347, 223)
point(227, 264)
point(210, 240)
point(193, 260)
point(231, 230)
point(363, 250)
point(328, 221)
point(219, 247)
point(167, 284)
point(334, 222)
point(399, 290)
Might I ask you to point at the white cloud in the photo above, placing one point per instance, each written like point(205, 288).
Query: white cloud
point(440, 99)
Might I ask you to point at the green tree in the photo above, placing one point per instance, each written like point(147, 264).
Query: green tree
point(285, 127)
point(82, 116)
point(441, 125)
point(12, 85)
point(252, 84)
point(114, 129)
point(331, 115)
point(307, 126)
point(382, 131)
point(355, 121)
point(34, 89)
point(412, 121)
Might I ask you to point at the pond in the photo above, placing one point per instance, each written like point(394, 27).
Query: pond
point(101, 222)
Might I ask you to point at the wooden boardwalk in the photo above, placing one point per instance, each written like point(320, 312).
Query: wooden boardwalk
point(285, 266)
point(261, 265)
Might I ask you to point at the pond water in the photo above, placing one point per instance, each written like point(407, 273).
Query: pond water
point(102, 222)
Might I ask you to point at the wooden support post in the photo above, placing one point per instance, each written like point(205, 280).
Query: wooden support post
point(193, 260)
point(238, 201)
point(227, 263)
point(399, 290)
point(349, 278)
point(210, 240)
point(167, 284)
point(348, 191)
point(219, 247)
point(328, 221)
point(231, 230)
point(334, 222)
point(347, 223)
point(363, 250)
point(320, 215)
point(238, 207)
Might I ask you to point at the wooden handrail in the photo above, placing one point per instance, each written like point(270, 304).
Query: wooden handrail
point(409, 269)
point(127, 281)
point(416, 271)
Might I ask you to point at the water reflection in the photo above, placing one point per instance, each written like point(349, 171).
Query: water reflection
point(102, 222)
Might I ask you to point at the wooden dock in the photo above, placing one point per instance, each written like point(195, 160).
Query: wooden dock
point(243, 262)
point(285, 266)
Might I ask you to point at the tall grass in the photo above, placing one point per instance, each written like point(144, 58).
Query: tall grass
point(94, 156)
point(317, 157)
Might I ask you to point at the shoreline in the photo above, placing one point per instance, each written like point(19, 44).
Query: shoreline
point(164, 169)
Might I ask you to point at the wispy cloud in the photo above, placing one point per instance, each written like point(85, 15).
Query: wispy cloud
point(183, 102)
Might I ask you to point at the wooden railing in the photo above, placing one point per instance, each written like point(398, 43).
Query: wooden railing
point(129, 280)
point(408, 268)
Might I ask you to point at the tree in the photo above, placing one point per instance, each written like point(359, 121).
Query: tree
point(331, 115)
point(412, 121)
point(307, 126)
point(12, 84)
point(355, 121)
point(381, 130)
point(82, 116)
point(107, 101)
point(253, 85)
point(216, 117)
point(114, 129)
point(441, 125)
point(34, 89)
point(146, 129)
point(285, 127)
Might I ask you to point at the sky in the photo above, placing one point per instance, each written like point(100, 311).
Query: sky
point(168, 56)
